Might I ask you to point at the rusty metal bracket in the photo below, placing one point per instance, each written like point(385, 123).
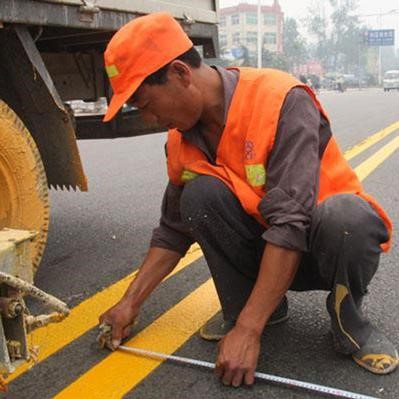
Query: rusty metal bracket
point(15, 284)
point(28, 289)
point(88, 10)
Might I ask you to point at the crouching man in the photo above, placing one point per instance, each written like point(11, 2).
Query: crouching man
point(257, 179)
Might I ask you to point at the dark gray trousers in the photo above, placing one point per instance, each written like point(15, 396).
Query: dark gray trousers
point(345, 237)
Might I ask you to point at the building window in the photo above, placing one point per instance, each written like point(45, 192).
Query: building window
point(270, 19)
point(223, 21)
point(270, 38)
point(252, 38)
point(235, 19)
point(223, 40)
point(251, 18)
point(236, 38)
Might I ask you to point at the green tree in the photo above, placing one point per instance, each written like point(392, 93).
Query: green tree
point(294, 46)
point(338, 36)
point(274, 60)
point(317, 26)
point(345, 40)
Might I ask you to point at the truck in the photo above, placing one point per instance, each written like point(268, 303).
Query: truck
point(51, 56)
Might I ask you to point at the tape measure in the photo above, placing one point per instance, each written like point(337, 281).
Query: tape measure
point(325, 390)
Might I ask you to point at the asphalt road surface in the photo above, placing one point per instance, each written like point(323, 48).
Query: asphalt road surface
point(98, 238)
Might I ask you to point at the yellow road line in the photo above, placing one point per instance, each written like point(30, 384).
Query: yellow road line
point(371, 163)
point(120, 372)
point(84, 316)
point(369, 141)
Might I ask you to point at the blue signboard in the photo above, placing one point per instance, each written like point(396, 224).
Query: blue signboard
point(380, 37)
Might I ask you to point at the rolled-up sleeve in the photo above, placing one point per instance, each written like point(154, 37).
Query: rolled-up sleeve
point(171, 233)
point(293, 173)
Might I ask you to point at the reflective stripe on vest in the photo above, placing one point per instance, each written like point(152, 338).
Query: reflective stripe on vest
point(187, 175)
point(256, 175)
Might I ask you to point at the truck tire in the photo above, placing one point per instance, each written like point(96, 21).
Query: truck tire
point(24, 202)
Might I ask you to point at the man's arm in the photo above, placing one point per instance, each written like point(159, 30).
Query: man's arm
point(277, 270)
point(239, 349)
point(158, 263)
point(170, 241)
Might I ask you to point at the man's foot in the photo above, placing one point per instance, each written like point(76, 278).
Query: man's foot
point(378, 355)
point(216, 328)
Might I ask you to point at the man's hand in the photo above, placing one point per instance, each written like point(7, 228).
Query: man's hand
point(238, 356)
point(156, 266)
point(120, 317)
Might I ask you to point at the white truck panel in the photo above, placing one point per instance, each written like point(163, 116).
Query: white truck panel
point(199, 10)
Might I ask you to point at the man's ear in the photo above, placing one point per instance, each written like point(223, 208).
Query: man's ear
point(180, 71)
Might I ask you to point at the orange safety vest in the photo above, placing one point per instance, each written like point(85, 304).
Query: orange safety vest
point(247, 141)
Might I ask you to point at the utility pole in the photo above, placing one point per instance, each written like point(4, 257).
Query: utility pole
point(259, 40)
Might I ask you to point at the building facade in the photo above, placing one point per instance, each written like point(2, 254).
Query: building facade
point(239, 27)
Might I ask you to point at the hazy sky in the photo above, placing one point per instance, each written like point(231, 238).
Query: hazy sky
point(297, 9)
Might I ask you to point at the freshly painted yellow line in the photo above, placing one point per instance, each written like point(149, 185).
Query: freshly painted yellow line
point(369, 141)
point(84, 316)
point(370, 164)
point(120, 372)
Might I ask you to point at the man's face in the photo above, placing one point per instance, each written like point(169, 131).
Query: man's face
point(174, 104)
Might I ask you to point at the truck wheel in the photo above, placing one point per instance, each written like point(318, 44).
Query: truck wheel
point(24, 202)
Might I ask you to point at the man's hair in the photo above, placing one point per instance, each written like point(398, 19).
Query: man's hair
point(190, 57)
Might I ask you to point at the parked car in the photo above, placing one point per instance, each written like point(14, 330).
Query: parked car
point(391, 80)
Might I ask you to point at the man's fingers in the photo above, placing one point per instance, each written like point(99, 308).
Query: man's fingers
point(115, 343)
point(227, 376)
point(249, 378)
point(237, 378)
point(117, 335)
point(127, 331)
point(218, 369)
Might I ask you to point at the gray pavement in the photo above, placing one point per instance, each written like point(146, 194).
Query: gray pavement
point(96, 238)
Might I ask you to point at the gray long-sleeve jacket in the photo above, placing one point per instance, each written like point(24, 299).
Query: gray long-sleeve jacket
point(292, 174)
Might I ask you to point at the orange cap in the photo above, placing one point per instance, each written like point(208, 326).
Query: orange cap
point(137, 50)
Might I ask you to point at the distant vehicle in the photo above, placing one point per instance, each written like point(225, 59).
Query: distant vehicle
point(391, 80)
point(334, 81)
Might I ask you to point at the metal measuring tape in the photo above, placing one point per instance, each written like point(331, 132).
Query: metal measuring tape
point(325, 390)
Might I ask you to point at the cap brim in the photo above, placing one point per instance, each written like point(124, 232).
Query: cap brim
point(118, 100)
